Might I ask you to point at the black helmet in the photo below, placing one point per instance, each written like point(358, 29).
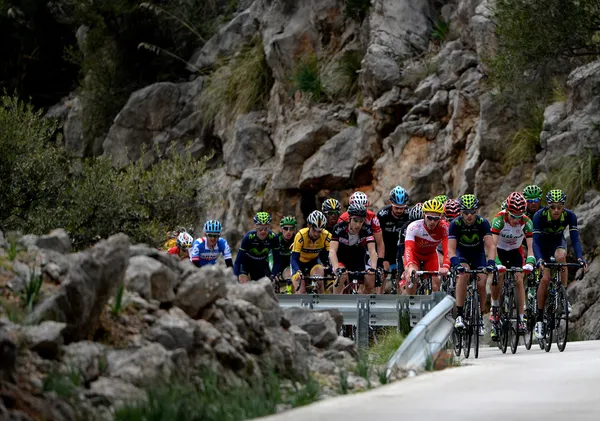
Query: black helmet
point(357, 209)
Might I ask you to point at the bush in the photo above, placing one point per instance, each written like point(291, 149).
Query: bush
point(576, 176)
point(440, 30)
point(357, 9)
point(349, 65)
point(41, 191)
point(526, 141)
point(539, 39)
point(306, 78)
point(240, 85)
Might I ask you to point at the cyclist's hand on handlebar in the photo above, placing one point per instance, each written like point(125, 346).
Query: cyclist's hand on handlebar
point(443, 271)
point(340, 271)
point(371, 270)
point(459, 269)
point(540, 264)
point(491, 266)
point(526, 268)
point(502, 268)
point(583, 264)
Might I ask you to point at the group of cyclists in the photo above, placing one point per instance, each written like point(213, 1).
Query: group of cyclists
point(439, 235)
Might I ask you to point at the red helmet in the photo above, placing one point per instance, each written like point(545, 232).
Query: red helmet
point(516, 204)
point(452, 209)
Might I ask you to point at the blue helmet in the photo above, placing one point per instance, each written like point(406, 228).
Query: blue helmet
point(398, 196)
point(212, 227)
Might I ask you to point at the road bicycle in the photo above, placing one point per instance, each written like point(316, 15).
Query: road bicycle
point(531, 285)
point(509, 314)
point(425, 280)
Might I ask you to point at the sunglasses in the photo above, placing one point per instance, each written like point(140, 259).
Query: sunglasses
point(213, 235)
point(358, 220)
point(334, 213)
point(533, 200)
point(556, 207)
point(288, 228)
point(398, 207)
point(262, 229)
point(469, 212)
point(316, 229)
point(515, 216)
point(433, 218)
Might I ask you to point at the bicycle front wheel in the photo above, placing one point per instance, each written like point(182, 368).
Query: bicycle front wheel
point(561, 318)
point(505, 320)
point(476, 322)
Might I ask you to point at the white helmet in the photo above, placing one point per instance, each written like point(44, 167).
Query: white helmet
point(317, 219)
point(360, 198)
point(184, 240)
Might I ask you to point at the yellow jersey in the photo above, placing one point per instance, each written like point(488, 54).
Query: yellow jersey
point(307, 248)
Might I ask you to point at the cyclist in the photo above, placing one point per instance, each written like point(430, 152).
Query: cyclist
point(361, 198)
point(310, 251)
point(469, 238)
point(171, 240)
point(251, 261)
point(392, 218)
point(182, 246)
point(286, 240)
point(422, 239)
point(207, 249)
point(415, 213)
point(549, 224)
point(533, 194)
point(451, 211)
point(509, 228)
point(347, 252)
point(442, 198)
point(331, 209)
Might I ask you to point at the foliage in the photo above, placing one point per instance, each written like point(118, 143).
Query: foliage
point(31, 292)
point(357, 9)
point(440, 30)
point(239, 85)
point(576, 176)
point(415, 71)
point(558, 91)
point(63, 384)
point(41, 191)
point(306, 78)
point(382, 351)
point(181, 401)
point(526, 140)
point(343, 386)
point(537, 40)
point(349, 65)
point(118, 302)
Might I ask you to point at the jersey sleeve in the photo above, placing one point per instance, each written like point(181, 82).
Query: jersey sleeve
point(453, 230)
point(537, 234)
point(485, 228)
point(528, 227)
point(195, 252)
point(224, 248)
point(409, 243)
point(335, 234)
point(497, 223)
point(375, 224)
point(173, 250)
point(574, 233)
point(275, 249)
point(241, 255)
point(324, 254)
point(368, 235)
point(298, 242)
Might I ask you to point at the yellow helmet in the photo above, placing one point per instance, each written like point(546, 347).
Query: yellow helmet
point(434, 206)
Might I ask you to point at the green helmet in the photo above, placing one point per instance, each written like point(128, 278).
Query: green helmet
point(442, 198)
point(262, 218)
point(532, 192)
point(556, 196)
point(504, 205)
point(288, 220)
point(468, 202)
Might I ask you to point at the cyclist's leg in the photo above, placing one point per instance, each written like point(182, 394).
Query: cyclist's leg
point(479, 261)
point(461, 294)
point(496, 290)
point(287, 273)
point(243, 278)
point(560, 254)
point(431, 265)
point(318, 270)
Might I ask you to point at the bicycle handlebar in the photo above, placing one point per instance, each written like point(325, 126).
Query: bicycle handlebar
point(558, 264)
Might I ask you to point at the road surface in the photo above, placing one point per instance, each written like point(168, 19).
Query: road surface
point(528, 385)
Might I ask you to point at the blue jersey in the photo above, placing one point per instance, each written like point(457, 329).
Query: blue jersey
point(548, 231)
point(469, 238)
point(254, 252)
point(202, 254)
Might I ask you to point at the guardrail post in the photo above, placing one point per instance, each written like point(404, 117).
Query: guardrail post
point(362, 323)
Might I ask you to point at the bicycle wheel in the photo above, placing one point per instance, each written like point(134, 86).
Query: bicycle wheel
point(467, 331)
point(561, 320)
point(530, 312)
point(513, 332)
point(549, 327)
point(528, 337)
point(505, 316)
point(457, 342)
point(476, 322)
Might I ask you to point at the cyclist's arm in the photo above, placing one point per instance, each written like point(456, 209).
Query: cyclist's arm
point(227, 253)
point(490, 246)
point(324, 253)
point(333, 249)
point(195, 253)
point(275, 250)
point(295, 255)
point(537, 235)
point(372, 251)
point(241, 255)
point(446, 258)
point(454, 260)
point(528, 231)
point(380, 245)
point(574, 233)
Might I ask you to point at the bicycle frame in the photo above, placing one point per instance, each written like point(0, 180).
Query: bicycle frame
point(355, 280)
point(313, 287)
point(426, 278)
point(472, 313)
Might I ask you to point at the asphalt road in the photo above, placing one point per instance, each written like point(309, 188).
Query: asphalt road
point(528, 385)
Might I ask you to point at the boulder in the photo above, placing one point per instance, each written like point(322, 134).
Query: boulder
point(116, 392)
point(45, 338)
point(319, 325)
point(150, 279)
point(173, 330)
point(87, 357)
point(261, 295)
point(251, 144)
point(141, 367)
point(202, 288)
point(92, 280)
point(58, 240)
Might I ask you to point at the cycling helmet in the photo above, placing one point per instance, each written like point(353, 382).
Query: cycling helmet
point(532, 192)
point(356, 209)
point(432, 205)
point(442, 198)
point(503, 206)
point(288, 220)
point(516, 204)
point(452, 209)
point(262, 218)
point(212, 227)
point(184, 240)
point(360, 198)
point(398, 196)
point(556, 196)
point(317, 219)
point(468, 202)
point(331, 205)
point(416, 212)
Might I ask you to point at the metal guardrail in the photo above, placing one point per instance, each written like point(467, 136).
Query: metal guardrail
point(427, 338)
point(362, 311)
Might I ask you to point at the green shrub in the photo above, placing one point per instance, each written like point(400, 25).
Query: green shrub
point(240, 85)
point(349, 66)
point(357, 9)
point(118, 303)
point(31, 292)
point(382, 351)
point(526, 140)
point(576, 175)
point(306, 78)
point(440, 30)
point(63, 384)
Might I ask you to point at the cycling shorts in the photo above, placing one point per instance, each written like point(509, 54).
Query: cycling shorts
point(474, 260)
point(511, 258)
point(549, 246)
point(308, 268)
point(427, 262)
point(255, 269)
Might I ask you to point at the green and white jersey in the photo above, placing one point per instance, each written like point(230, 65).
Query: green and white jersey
point(511, 237)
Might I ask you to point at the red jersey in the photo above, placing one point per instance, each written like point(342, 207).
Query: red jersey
point(420, 243)
point(175, 251)
point(371, 220)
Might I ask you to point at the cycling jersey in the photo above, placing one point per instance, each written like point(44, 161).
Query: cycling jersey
point(285, 251)
point(202, 254)
point(391, 227)
point(175, 251)
point(420, 244)
point(469, 238)
point(352, 247)
point(371, 220)
point(401, 247)
point(253, 254)
point(548, 234)
point(306, 250)
point(511, 237)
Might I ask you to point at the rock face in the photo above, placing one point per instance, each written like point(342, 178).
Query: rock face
point(150, 278)
point(92, 280)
